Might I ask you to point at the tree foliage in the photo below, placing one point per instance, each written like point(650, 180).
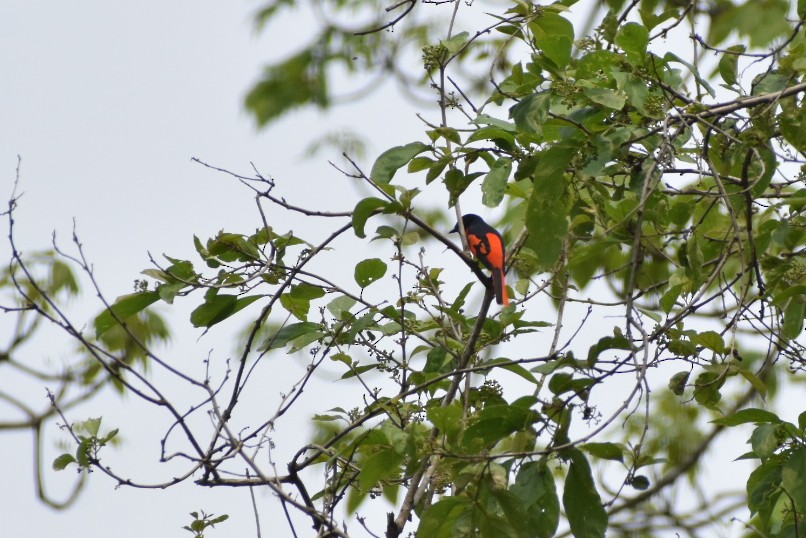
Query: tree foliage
point(649, 166)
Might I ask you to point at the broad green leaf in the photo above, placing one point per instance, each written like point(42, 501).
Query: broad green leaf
point(340, 306)
point(606, 97)
point(793, 317)
point(633, 39)
point(554, 36)
point(793, 478)
point(535, 488)
point(677, 383)
point(728, 64)
point(562, 382)
point(492, 133)
point(124, 307)
point(756, 416)
point(495, 183)
point(710, 340)
point(368, 271)
point(393, 159)
point(651, 20)
point(63, 461)
point(218, 308)
point(440, 520)
point(617, 341)
point(754, 380)
point(484, 119)
point(583, 506)
point(765, 440)
point(531, 113)
point(456, 182)
point(448, 419)
point(363, 210)
point(62, 278)
point(418, 164)
point(763, 487)
point(516, 369)
point(455, 43)
point(82, 452)
point(294, 82)
point(298, 300)
point(547, 212)
point(288, 333)
point(671, 57)
point(605, 451)
point(496, 422)
point(92, 426)
point(381, 465)
point(357, 369)
point(706, 389)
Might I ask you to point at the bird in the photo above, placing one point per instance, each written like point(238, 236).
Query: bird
point(487, 246)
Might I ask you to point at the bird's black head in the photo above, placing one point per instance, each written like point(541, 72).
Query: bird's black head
point(467, 220)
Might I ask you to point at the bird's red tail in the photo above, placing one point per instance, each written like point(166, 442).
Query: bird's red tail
point(500, 286)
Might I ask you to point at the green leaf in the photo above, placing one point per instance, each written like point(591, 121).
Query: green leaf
point(418, 164)
point(757, 383)
point(368, 271)
point(793, 317)
point(516, 369)
point(124, 307)
point(92, 426)
point(297, 81)
point(677, 383)
point(583, 506)
point(340, 306)
point(484, 119)
point(534, 487)
point(605, 451)
point(606, 97)
point(706, 389)
point(495, 184)
point(765, 440)
point(218, 308)
point(554, 36)
point(381, 465)
point(744, 416)
point(531, 113)
point(63, 461)
point(710, 340)
point(391, 160)
point(793, 478)
point(617, 341)
point(633, 39)
point(728, 64)
point(547, 212)
point(288, 333)
point(363, 211)
point(496, 422)
point(763, 488)
point(455, 43)
point(448, 419)
point(671, 57)
point(298, 300)
point(440, 520)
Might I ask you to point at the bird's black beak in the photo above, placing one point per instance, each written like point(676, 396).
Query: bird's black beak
point(455, 229)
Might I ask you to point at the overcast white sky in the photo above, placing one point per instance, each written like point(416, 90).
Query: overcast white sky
point(106, 103)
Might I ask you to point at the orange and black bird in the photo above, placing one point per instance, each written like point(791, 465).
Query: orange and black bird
point(487, 246)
